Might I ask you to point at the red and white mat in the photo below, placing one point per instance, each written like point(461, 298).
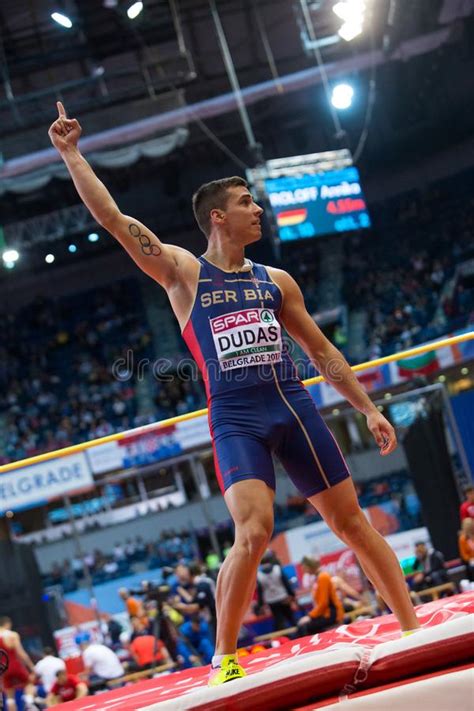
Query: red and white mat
point(333, 668)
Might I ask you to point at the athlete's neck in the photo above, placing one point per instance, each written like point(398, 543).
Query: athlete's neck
point(229, 258)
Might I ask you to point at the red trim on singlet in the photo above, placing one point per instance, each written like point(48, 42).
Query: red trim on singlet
point(192, 342)
point(189, 336)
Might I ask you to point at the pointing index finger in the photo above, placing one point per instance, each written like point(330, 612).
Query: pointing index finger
point(61, 110)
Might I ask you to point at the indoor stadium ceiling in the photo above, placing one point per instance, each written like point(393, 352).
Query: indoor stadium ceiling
point(111, 71)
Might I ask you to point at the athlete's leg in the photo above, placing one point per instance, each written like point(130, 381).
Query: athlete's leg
point(250, 503)
point(340, 509)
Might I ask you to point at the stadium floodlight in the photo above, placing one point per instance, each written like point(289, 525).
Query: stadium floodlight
point(93, 237)
point(11, 256)
point(72, 248)
point(350, 30)
point(134, 10)
point(49, 259)
point(61, 19)
point(9, 265)
point(342, 95)
point(350, 10)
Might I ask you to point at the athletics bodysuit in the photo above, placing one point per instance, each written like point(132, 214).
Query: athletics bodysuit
point(257, 404)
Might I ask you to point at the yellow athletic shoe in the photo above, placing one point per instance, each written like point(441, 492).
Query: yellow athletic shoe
point(229, 670)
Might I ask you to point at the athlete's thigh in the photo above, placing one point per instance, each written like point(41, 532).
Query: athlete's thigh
point(308, 450)
point(240, 456)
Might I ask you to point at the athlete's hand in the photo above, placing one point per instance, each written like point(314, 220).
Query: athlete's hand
point(64, 133)
point(383, 432)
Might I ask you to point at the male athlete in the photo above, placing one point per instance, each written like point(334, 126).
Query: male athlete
point(231, 313)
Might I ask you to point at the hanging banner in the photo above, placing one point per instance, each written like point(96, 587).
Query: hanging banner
point(41, 483)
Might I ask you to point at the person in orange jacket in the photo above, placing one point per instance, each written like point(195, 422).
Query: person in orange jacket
point(328, 609)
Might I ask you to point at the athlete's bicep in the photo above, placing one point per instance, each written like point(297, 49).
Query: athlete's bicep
point(158, 260)
point(295, 317)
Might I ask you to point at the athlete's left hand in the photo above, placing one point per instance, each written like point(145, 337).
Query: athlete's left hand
point(383, 432)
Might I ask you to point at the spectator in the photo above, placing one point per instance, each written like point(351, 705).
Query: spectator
point(47, 668)
point(466, 546)
point(350, 598)
point(134, 606)
point(196, 630)
point(327, 610)
point(204, 595)
point(146, 649)
point(274, 589)
point(100, 662)
point(67, 687)
point(431, 566)
point(467, 507)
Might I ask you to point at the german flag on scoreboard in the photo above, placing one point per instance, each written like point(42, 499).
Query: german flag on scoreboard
point(291, 217)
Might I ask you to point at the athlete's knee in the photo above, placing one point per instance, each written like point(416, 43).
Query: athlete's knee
point(350, 527)
point(254, 536)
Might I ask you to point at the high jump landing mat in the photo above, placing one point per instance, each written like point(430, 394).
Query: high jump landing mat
point(364, 666)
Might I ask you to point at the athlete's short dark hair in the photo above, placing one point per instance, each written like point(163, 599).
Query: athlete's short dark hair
point(213, 195)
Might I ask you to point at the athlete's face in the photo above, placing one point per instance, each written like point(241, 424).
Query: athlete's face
point(242, 216)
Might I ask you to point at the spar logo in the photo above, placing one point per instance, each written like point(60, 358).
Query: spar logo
point(241, 319)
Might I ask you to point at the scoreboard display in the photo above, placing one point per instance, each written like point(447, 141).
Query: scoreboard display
point(313, 205)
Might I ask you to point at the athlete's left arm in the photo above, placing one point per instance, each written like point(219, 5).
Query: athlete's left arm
point(328, 359)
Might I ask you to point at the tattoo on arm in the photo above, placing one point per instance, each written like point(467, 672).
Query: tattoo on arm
point(148, 249)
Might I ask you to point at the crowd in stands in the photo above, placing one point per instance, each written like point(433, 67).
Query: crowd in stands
point(58, 383)
point(398, 272)
point(171, 547)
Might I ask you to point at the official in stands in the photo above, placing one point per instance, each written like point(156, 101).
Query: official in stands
point(274, 589)
point(101, 663)
point(327, 610)
point(430, 568)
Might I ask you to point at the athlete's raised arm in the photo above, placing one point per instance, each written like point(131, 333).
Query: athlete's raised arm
point(164, 263)
point(328, 359)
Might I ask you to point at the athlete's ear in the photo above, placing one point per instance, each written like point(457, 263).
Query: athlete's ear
point(217, 215)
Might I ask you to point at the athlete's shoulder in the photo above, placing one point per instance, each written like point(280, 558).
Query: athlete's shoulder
point(283, 279)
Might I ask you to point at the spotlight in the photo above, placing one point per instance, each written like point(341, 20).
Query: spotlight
point(61, 19)
point(11, 256)
point(134, 10)
point(9, 265)
point(442, 379)
point(93, 237)
point(349, 10)
point(352, 13)
point(49, 259)
point(336, 411)
point(350, 30)
point(464, 371)
point(72, 248)
point(342, 96)
point(388, 396)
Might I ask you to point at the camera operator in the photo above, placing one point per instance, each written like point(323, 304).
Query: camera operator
point(196, 593)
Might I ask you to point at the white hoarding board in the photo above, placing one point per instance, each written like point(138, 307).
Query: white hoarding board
point(42, 482)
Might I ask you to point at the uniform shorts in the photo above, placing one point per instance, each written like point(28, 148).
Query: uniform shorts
point(249, 425)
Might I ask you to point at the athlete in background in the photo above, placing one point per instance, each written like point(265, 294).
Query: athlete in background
point(20, 666)
point(256, 401)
